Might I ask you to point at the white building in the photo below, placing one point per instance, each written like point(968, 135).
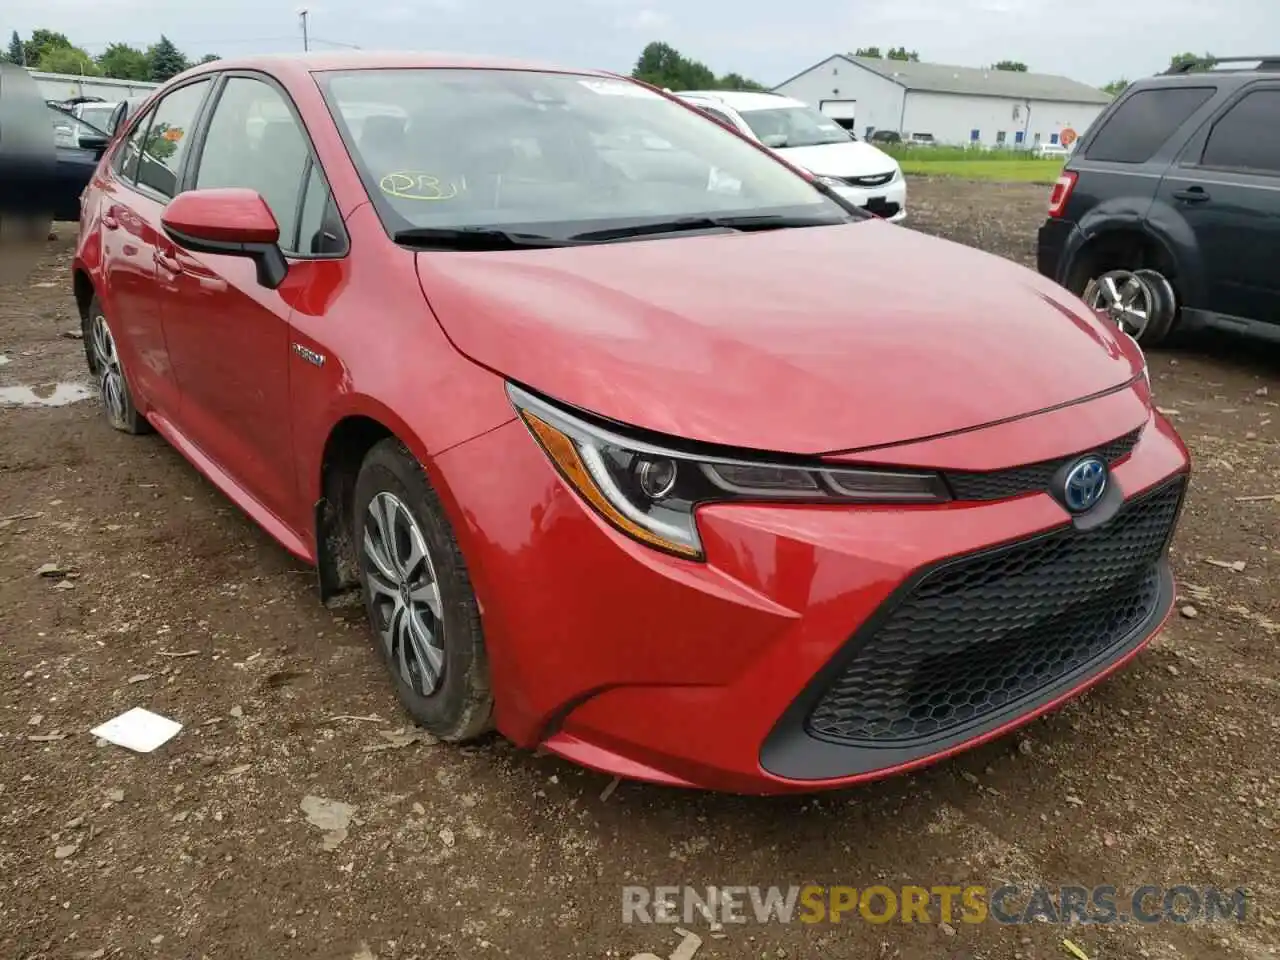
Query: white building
point(64, 86)
point(957, 105)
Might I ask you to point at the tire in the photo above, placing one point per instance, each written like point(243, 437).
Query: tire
point(1146, 290)
point(412, 624)
point(104, 363)
point(1165, 318)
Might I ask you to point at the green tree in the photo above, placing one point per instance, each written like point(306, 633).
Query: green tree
point(209, 58)
point(664, 66)
point(1013, 66)
point(901, 53)
point(1206, 61)
point(124, 62)
point(165, 60)
point(735, 81)
point(1116, 87)
point(67, 60)
point(17, 52)
point(872, 52)
point(41, 42)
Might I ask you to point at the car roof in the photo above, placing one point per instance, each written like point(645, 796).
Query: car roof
point(1223, 70)
point(743, 101)
point(300, 64)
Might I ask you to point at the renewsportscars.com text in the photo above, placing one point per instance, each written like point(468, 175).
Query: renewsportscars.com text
point(972, 904)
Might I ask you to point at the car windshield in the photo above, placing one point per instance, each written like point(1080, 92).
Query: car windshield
point(553, 154)
point(794, 127)
point(97, 114)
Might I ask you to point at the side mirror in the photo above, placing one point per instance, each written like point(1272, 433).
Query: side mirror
point(94, 142)
point(230, 221)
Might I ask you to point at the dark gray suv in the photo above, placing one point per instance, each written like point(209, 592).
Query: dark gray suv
point(1167, 214)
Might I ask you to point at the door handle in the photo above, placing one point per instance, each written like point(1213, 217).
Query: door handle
point(1191, 195)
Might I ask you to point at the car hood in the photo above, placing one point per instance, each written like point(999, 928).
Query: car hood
point(812, 340)
point(851, 159)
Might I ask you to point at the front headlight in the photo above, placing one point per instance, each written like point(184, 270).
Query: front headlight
point(650, 491)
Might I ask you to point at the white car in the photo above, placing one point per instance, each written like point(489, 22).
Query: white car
point(95, 113)
point(859, 172)
point(1050, 150)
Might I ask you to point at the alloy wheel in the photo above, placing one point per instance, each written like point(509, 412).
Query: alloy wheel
point(111, 382)
point(404, 593)
point(1125, 298)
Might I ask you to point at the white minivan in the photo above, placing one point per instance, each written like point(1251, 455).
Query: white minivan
point(859, 172)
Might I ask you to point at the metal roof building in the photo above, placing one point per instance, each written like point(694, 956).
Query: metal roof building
point(64, 86)
point(955, 105)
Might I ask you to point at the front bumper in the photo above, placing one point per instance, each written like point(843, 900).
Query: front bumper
point(738, 673)
point(888, 201)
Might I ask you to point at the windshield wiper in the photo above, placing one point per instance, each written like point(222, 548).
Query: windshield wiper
point(771, 221)
point(474, 238)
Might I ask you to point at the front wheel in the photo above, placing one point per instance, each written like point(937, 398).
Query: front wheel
point(418, 596)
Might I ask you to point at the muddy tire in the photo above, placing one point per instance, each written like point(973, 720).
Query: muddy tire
point(108, 372)
point(418, 595)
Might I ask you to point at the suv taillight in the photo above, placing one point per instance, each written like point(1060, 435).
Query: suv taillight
point(1061, 193)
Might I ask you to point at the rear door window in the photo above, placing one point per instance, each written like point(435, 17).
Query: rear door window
point(1247, 136)
point(168, 136)
point(130, 154)
point(1144, 121)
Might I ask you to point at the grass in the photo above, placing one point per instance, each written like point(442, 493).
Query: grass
point(1004, 166)
point(1044, 171)
point(970, 154)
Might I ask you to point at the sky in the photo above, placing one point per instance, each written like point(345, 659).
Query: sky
point(1094, 41)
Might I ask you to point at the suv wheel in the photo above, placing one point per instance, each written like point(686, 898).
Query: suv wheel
point(1142, 303)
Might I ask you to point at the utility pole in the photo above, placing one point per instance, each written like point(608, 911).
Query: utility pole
point(302, 14)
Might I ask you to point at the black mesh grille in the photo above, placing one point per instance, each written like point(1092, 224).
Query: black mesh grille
point(874, 180)
point(1032, 478)
point(980, 634)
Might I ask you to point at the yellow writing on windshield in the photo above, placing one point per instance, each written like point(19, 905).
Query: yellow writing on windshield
point(415, 185)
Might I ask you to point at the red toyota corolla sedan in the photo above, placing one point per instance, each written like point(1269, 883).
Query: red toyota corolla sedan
point(640, 444)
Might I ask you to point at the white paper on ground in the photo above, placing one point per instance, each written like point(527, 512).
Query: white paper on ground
point(138, 730)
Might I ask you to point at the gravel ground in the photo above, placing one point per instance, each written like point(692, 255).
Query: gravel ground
point(163, 595)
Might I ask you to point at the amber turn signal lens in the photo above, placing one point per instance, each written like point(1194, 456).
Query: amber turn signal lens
point(564, 454)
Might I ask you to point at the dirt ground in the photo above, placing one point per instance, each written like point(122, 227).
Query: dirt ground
point(165, 596)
